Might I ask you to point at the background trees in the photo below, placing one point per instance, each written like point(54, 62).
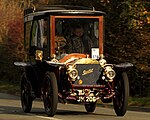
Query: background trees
point(127, 37)
point(11, 38)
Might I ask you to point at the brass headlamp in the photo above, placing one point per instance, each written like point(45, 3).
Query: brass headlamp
point(72, 71)
point(109, 72)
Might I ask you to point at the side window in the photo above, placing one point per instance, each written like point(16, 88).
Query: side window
point(39, 37)
point(27, 35)
point(39, 33)
point(43, 23)
point(35, 34)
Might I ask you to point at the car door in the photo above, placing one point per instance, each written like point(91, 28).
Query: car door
point(39, 38)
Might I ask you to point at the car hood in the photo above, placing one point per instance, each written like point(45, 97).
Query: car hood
point(77, 58)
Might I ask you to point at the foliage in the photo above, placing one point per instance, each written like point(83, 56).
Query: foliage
point(11, 35)
point(129, 38)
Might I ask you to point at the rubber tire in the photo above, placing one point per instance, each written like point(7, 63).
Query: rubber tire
point(50, 94)
point(120, 100)
point(90, 107)
point(26, 89)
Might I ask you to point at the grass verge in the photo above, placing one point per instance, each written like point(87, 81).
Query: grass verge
point(10, 88)
point(139, 101)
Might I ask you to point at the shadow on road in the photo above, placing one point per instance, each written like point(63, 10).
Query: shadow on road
point(68, 112)
point(11, 110)
point(41, 112)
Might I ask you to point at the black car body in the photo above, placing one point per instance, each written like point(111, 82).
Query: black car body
point(56, 74)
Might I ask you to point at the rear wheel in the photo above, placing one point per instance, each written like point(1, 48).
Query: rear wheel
point(26, 98)
point(50, 93)
point(121, 87)
point(90, 107)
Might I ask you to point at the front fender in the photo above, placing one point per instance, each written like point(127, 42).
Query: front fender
point(123, 66)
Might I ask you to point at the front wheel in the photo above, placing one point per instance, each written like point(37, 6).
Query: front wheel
point(26, 98)
point(90, 107)
point(50, 93)
point(121, 88)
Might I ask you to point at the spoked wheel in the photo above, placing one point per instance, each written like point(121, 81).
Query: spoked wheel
point(121, 87)
point(26, 99)
point(90, 107)
point(50, 93)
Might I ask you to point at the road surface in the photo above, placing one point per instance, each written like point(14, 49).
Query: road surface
point(10, 109)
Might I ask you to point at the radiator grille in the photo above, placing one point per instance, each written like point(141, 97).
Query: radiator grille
point(88, 73)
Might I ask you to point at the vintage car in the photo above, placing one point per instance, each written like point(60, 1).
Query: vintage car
point(55, 72)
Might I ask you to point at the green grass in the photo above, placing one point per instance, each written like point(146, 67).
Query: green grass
point(10, 88)
point(140, 101)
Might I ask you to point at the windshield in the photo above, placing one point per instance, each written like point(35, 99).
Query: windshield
point(76, 35)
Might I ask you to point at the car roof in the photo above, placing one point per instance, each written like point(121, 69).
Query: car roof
point(61, 10)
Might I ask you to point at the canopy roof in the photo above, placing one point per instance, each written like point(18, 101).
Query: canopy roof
point(61, 10)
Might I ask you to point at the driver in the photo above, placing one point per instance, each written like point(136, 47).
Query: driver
point(79, 42)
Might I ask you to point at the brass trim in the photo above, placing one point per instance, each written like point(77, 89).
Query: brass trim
point(39, 55)
point(85, 72)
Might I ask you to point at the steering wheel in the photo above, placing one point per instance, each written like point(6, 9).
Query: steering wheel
point(60, 43)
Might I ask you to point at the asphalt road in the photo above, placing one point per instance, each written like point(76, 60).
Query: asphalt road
point(10, 109)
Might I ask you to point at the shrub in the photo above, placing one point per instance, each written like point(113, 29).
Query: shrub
point(11, 38)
